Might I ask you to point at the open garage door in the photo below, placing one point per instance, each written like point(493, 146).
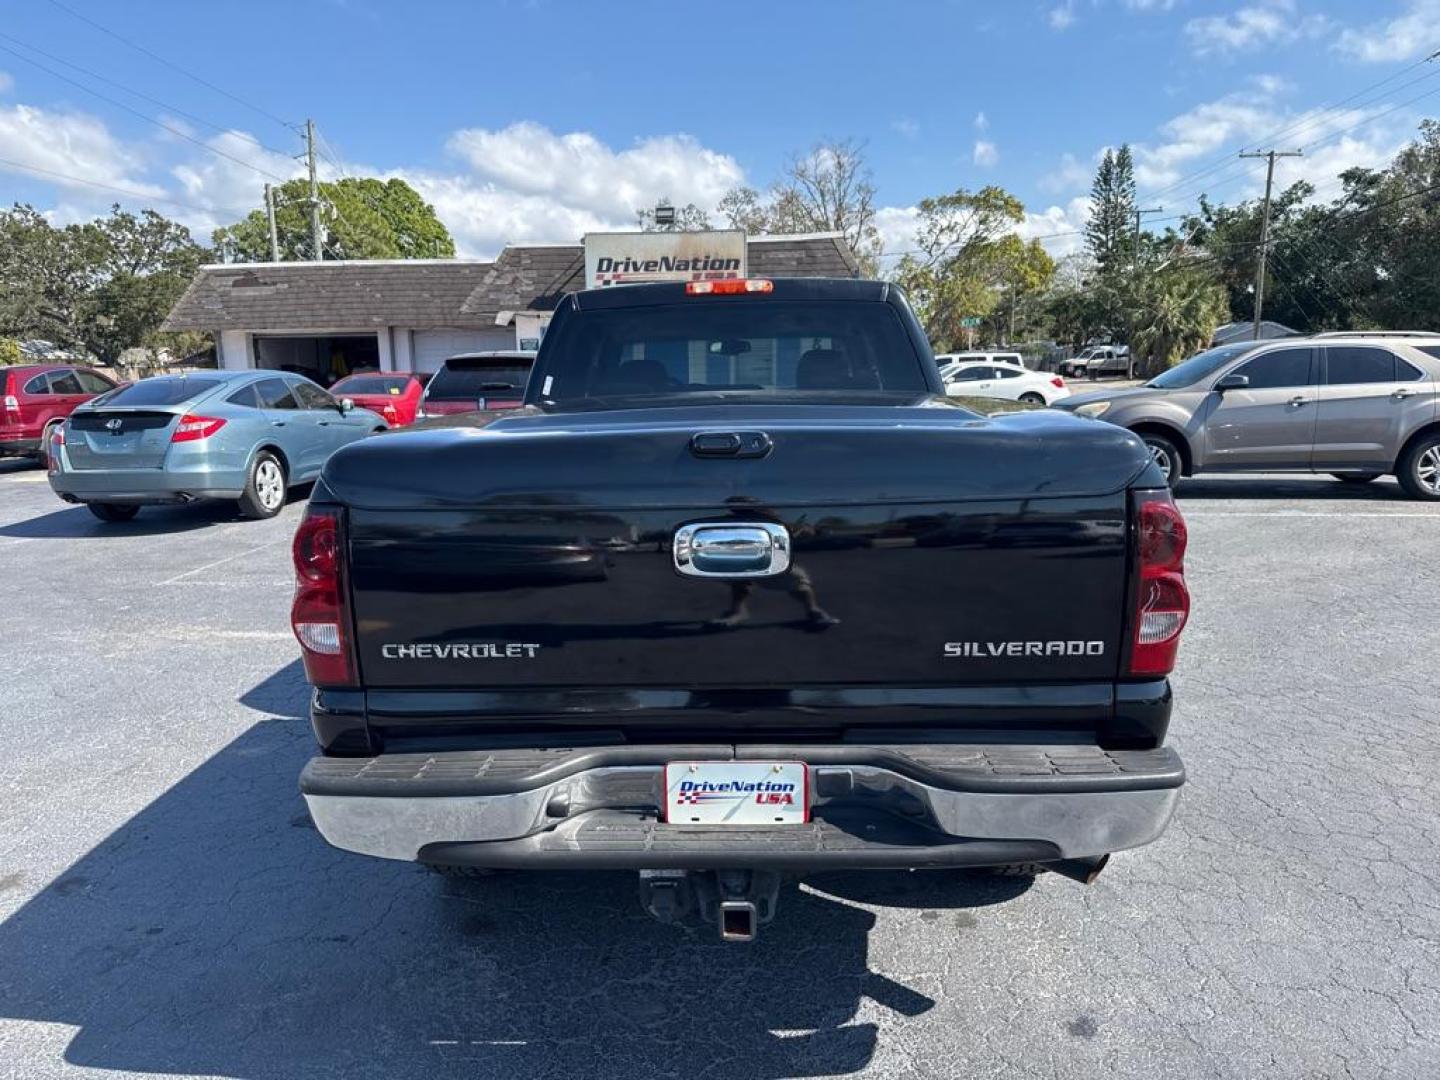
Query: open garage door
point(431, 348)
point(325, 358)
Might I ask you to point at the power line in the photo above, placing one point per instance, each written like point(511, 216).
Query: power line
point(1301, 124)
point(171, 64)
point(146, 97)
point(136, 112)
point(132, 193)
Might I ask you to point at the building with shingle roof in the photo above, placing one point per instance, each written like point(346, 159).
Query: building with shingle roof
point(329, 318)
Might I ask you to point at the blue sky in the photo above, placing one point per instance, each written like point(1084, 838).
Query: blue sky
point(538, 120)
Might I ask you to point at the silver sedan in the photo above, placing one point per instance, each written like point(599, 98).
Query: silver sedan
point(249, 436)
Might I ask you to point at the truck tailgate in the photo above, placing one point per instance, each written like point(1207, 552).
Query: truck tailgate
point(932, 553)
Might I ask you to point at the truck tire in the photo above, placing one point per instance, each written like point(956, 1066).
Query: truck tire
point(1419, 469)
point(267, 476)
point(113, 512)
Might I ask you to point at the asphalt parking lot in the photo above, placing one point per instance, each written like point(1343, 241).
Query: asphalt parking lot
point(168, 909)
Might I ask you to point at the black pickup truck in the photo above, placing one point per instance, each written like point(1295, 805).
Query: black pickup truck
point(738, 592)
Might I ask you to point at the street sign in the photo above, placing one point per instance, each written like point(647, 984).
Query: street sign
point(970, 322)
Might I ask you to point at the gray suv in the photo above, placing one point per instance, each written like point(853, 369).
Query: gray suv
point(1354, 406)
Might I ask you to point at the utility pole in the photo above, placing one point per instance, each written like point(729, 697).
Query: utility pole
point(1139, 212)
point(316, 241)
point(270, 215)
point(1135, 248)
point(1014, 288)
point(1261, 255)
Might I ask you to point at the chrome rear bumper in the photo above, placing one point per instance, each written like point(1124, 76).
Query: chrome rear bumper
point(866, 813)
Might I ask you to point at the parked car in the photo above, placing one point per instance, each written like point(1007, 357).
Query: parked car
point(1105, 355)
point(477, 382)
point(394, 395)
point(1355, 407)
point(995, 380)
point(988, 357)
point(243, 435)
point(780, 670)
point(35, 399)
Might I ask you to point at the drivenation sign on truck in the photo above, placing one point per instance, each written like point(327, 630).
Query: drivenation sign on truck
point(632, 258)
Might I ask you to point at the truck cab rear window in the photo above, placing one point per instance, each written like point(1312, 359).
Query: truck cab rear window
point(707, 346)
point(473, 381)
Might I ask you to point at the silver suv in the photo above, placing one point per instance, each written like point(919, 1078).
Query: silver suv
point(1356, 406)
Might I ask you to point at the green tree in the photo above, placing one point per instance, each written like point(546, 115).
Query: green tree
point(103, 285)
point(968, 259)
point(1176, 314)
point(1112, 209)
point(363, 219)
point(10, 352)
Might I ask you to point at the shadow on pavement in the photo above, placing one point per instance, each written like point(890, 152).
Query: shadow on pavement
point(216, 933)
point(9, 465)
point(77, 523)
point(1316, 488)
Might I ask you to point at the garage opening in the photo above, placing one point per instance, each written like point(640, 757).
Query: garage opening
point(326, 359)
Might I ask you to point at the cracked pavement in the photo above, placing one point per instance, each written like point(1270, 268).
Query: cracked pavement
point(166, 907)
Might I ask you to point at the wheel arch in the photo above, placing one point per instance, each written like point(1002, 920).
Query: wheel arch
point(1175, 435)
point(1422, 432)
point(272, 448)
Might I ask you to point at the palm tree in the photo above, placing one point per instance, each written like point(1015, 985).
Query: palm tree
point(1176, 314)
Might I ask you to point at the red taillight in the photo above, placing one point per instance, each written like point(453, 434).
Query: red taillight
point(1162, 602)
point(192, 428)
point(52, 450)
point(1058, 382)
point(318, 614)
point(729, 287)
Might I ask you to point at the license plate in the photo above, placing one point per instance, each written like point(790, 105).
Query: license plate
point(737, 793)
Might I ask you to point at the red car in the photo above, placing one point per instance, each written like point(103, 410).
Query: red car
point(394, 395)
point(36, 398)
point(483, 381)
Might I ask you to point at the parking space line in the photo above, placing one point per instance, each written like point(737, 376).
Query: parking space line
point(219, 562)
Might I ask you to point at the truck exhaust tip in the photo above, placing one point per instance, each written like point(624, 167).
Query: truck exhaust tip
point(737, 920)
point(1085, 871)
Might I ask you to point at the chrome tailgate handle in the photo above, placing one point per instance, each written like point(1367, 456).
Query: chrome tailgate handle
point(732, 549)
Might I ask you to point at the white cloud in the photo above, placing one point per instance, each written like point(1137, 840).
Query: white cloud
point(986, 153)
point(1268, 24)
point(225, 188)
point(1063, 16)
point(896, 225)
point(72, 144)
point(1150, 5)
point(484, 217)
point(982, 122)
point(1071, 175)
point(1058, 228)
point(1196, 137)
point(7, 82)
point(907, 127)
point(580, 173)
point(1404, 37)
